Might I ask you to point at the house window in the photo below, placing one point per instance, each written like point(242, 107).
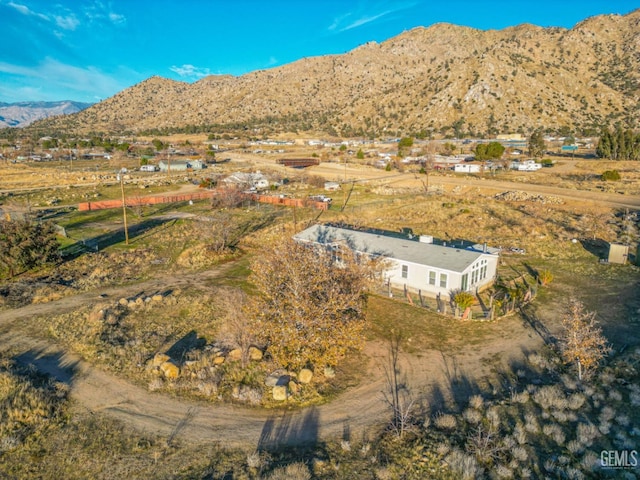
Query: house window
point(432, 278)
point(405, 271)
point(464, 284)
point(443, 280)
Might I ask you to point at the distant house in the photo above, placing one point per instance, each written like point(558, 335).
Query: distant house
point(331, 186)
point(526, 166)
point(467, 168)
point(417, 264)
point(253, 180)
point(181, 165)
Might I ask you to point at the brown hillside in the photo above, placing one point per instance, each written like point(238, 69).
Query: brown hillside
point(440, 77)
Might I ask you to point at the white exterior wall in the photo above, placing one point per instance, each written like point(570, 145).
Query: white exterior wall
point(420, 277)
point(467, 168)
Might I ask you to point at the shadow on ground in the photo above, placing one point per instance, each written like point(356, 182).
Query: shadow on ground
point(100, 242)
point(53, 365)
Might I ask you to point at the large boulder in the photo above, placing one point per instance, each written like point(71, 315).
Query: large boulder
point(280, 393)
point(235, 354)
point(255, 354)
point(170, 370)
point(305, 375)
point(159, 359)
point(277, 379)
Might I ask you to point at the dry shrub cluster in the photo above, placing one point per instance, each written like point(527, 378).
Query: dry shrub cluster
point(533, 226)
point(29, 404)
point(206, 241)
point(87, 272)
point(124, 335)
point(555, 430)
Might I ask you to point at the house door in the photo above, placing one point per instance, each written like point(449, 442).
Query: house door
point(464, 284)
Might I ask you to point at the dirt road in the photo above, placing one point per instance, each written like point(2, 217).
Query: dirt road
point(362, 174)
point(435, 377)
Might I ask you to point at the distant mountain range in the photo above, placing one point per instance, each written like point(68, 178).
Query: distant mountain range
point(22, 114)
point(445, 78)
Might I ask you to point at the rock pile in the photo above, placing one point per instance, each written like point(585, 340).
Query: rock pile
point(520, 196)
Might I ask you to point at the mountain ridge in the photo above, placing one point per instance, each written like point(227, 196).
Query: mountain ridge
point(22, 114)
point(444, 78)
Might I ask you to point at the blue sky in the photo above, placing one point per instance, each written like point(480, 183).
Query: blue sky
point(88, 50)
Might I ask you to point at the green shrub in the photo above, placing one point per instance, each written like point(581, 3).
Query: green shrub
point(545, 277)
point(463, 299)
point(612, 175)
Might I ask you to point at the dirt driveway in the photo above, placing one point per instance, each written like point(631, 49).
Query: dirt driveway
point(435, 377)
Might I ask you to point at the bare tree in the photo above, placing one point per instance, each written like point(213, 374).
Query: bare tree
point(237, 329)
point(582, 340)
point(397, 394)
point(310, 307)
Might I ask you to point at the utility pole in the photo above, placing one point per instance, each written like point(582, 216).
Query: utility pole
point(124, 207)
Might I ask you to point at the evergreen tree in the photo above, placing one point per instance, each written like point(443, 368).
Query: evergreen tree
point(536, 144)
point(619, 145)
point(486, 151)
point(25, 245)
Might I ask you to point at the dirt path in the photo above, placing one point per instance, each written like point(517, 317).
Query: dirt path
point(435, 377)
point(334, 171)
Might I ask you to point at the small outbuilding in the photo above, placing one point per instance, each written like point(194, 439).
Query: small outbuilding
point(618, 253)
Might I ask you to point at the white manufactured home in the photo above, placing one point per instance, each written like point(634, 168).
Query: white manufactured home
point(467, 168)
point(417, 264)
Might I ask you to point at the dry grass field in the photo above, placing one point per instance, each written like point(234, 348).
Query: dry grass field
point(491, 399)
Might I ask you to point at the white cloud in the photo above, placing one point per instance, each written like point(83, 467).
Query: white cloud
point(344, 22)
point(52, 78)
point(99, 11)
point(189, 71)
point(23, 9)
point(364, 20)
point(70, 22)
point(116, 18)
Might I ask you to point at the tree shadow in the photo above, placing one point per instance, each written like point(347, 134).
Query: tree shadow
point(532, 320)
point(597, 247)
point(53, 365)
point(460, 387)
point(290, 438)
point(287, 429)
point(179, 350)
point(102, 241)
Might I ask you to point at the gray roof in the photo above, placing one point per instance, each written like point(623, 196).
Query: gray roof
point(414, 251)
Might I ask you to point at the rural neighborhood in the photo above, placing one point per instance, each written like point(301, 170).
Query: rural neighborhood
point(417, 259)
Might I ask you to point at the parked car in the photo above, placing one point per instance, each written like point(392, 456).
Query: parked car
point(320, 198)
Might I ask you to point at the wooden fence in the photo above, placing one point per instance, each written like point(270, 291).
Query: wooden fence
point(156, 199)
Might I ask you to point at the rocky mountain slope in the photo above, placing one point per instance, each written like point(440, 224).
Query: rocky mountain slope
point(443, 78)
point(24, 113)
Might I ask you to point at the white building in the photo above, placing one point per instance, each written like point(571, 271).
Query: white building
point(248, 180)
point(415, 264)
point(467, 168)
point(526, 166)
point(180, 165)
